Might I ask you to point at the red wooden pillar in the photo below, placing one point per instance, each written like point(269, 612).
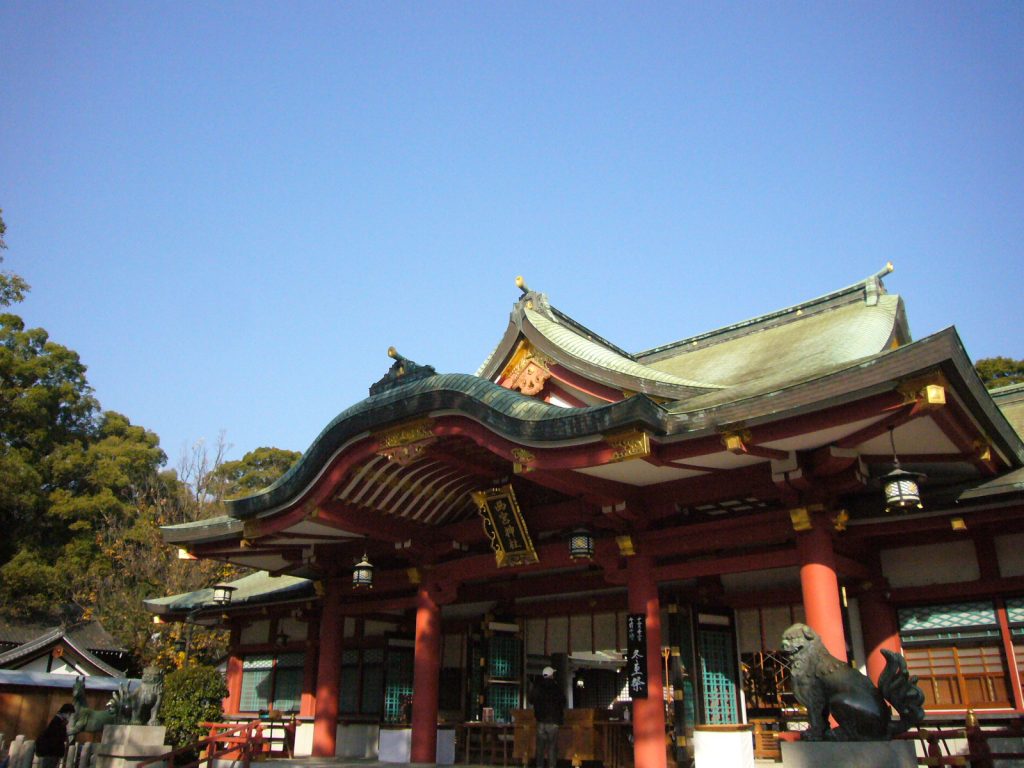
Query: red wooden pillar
point(307, 705)
point(1010, 655)
point(325, 721)
point(233, 678)
point(426, 674)
point(880, 629)
point(820, 586)
point(649, 713)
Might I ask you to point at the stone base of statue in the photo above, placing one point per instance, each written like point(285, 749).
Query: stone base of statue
point(848, 754)
point(122, 746)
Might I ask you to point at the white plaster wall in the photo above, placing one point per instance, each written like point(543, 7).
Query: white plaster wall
point(357, 740)
point(256, 633)
point(294, 628)
point(930, 564)
point(1010, 553)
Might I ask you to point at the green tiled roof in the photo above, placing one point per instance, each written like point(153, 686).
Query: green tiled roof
point(583, 349)
point(790, 353)
point(255, 588)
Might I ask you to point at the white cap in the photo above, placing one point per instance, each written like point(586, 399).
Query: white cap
point(548, 672)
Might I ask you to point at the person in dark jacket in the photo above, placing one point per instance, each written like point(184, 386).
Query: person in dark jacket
point(548, 702)
point(53, 741)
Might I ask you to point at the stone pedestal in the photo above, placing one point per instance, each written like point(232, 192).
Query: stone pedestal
point(717, 746)
point(848, 754)
point(122, 746)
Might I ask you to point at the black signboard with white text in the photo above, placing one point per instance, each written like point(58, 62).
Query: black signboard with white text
point(636, 655)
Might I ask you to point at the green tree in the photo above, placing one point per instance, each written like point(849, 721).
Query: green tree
point(12, 287)
point(252, 473)
point(47, 412)
point(1000, 371)
point(192, 695)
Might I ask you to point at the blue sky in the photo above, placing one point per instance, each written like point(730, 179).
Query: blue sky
point(231, 210)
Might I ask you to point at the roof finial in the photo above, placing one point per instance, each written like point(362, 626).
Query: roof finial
point(521, 284)
point(885, 270)
point(393, 353)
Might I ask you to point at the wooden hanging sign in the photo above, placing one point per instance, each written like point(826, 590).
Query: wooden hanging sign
point(636, 655)
point(505, 527)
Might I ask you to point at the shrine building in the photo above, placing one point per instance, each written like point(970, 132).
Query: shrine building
point(647, 523)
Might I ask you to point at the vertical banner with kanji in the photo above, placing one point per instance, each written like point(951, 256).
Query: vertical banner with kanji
point(636, 655)
point(505, 527)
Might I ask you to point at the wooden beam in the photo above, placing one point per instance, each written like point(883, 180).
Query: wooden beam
point(757, 561)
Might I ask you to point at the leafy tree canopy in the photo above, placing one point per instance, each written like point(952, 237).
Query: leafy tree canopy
point(192, 695)
point(1000, 371)
point(12, 287)
point(83, 495)
point(253, 472)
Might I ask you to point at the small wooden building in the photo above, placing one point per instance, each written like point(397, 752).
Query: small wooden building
point(38, 667)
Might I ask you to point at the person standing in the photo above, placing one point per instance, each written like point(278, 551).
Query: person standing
point(53, 741)
point(548, 702)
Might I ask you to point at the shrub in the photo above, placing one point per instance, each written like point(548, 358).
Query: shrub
point(192, 695)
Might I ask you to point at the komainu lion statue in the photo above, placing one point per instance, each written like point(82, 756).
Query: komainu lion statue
point(825, 685)
point(142, 705)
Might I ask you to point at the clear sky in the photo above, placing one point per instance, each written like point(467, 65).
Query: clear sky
point(231, 210)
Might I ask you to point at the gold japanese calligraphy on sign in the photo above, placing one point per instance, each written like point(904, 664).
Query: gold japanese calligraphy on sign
point(505, 527)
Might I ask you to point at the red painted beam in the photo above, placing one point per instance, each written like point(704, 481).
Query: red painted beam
point(600, 391)
point(373, 524)
point(765, 528)
point(964, 590)
point(755, 481)
point(759, 561)
point(595, 490)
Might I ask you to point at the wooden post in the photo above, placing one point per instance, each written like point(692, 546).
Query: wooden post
point(325, 721)
point(649, 713)
point(878, 623)
point(426, 675)
point(820, 586)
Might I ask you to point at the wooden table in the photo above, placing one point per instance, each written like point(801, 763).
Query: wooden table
point(487, 742)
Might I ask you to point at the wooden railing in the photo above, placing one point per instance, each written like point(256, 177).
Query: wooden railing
point(235, 742)
point(978, 755)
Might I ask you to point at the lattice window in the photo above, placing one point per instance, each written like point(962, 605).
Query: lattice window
point(256, 682)
point(1015, 610)
point(288, 682)
point(953, 676)
point(718, 677)
point(504, 657)
point(950, 621)
point(272, 682)
point(503, 698)
point(398, 685)
point(362, 682)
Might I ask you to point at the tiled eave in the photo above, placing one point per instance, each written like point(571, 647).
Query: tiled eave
point(522, 419)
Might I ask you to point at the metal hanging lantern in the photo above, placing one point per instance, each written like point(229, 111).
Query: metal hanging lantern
point(222, 594)
point(581, 544)
point(362, 574)
point(900, 486)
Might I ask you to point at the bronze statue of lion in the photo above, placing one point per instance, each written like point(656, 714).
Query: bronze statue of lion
point(825, 685)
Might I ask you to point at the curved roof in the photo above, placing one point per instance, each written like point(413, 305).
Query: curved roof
point(792, 344)
point(504, 411)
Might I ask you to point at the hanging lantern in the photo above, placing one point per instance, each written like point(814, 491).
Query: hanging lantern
point(581, 544)
point(362, 574)
point(901, 491)
point(900, 486)
point(222, 594)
